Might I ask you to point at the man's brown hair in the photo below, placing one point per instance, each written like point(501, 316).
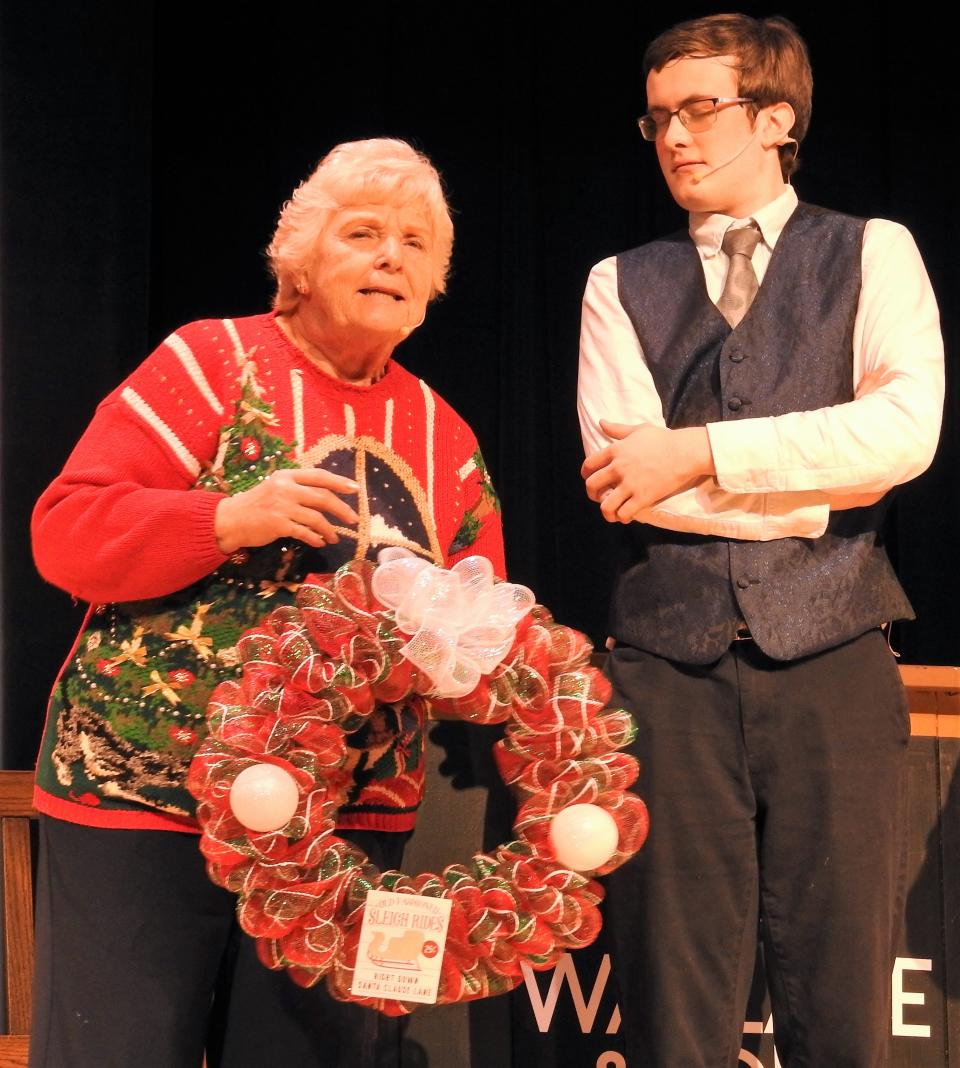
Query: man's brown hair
point(771, 61)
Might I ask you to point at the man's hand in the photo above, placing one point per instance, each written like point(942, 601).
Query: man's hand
point(643, 465)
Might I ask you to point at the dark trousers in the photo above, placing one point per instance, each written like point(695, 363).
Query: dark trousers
point(140, 963)
point(775, 789)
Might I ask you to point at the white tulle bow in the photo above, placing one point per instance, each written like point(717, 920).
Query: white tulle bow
point(462, 622)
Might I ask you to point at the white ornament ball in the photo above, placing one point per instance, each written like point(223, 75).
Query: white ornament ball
point(264, 797)
point(584, 837)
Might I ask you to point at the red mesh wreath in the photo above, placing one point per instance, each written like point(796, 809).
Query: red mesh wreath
point(313, 673)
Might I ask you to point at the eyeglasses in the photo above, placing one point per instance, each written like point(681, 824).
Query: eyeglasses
point(696, 115)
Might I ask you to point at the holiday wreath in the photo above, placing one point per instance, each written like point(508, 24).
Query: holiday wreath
point(470, 649)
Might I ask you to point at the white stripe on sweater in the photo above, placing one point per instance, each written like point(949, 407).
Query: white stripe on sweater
point(150, 417)
point(388, 423)
point(429, 406)
point(239, 355)
point(185, 355)
point(296, 389)
point(350, 421)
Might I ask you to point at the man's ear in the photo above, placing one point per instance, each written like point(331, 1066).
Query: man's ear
point(776, 123)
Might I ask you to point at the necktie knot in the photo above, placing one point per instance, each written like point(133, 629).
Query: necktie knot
point(741, 241)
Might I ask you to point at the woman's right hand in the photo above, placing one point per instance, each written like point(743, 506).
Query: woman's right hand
point(287, 504)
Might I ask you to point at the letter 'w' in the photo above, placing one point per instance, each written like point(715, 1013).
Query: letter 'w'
point(543, 1009)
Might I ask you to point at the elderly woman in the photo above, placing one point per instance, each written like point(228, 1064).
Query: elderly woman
point(243, 454)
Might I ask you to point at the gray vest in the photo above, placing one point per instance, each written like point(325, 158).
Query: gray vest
point(683, 596)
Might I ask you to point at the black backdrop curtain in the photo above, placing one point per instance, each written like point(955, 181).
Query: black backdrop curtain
point(145, 150)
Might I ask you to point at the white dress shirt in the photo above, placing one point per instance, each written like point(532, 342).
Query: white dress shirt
point(776, 475)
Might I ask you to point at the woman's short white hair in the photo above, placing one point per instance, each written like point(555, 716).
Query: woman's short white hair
point(381, 169)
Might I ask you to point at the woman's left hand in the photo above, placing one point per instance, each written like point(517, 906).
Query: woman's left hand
point(289, 504)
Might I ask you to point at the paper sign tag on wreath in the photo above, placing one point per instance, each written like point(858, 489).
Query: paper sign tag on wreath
point(401, 947)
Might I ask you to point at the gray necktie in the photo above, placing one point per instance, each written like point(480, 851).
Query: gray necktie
point(741, 284)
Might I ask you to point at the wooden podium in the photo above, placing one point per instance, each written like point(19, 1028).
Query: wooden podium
point(926, 982)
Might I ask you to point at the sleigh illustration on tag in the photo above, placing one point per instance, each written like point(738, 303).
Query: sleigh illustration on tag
point(402, 951)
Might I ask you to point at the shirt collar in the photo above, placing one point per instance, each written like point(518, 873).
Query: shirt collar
point(707, 229)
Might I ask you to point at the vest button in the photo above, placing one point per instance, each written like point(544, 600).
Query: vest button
point(734, 404)
point(743, 583)
point(737, 357)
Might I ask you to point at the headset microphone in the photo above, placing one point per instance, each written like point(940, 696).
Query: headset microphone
point(408, 330)
point(726, 163)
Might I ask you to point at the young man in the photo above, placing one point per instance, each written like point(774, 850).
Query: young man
point(749, 391)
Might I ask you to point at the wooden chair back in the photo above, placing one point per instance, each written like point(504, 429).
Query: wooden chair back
point(16, 811)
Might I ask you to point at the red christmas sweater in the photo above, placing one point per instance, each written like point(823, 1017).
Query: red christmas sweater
point(129, 526)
